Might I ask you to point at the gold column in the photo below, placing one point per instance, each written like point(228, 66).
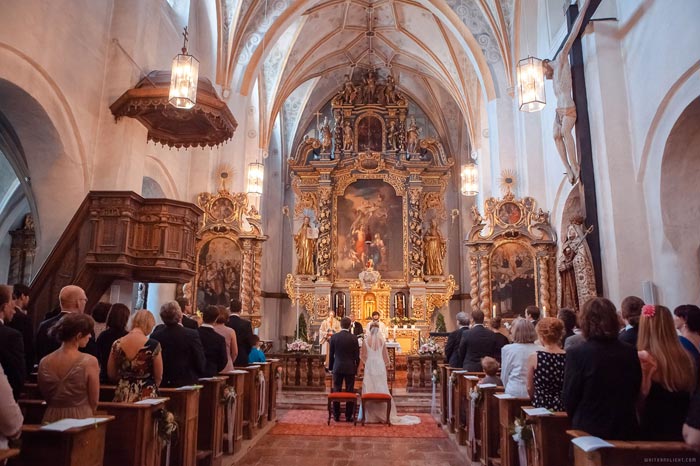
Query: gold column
point(257, 274)
point(246, 275)
point(484, 285)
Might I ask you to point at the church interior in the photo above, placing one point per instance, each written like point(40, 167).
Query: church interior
point(412, 168)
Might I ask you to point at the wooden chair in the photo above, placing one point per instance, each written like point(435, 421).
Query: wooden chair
point(376, 398)
point(342, 397)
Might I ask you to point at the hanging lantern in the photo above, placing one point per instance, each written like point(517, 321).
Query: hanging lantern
point(470, 179)
point(256, 172)
point(184, 75)
point(531, 97)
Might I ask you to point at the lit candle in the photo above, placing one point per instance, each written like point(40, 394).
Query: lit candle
point(544, 311)
point(493, 313)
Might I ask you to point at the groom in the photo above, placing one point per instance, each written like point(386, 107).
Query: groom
point(344, 359)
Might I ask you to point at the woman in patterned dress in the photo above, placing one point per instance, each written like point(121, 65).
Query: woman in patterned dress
point(545, 374)
point(136, 362)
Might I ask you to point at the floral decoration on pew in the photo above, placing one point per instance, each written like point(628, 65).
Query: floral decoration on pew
point(430, 347)
point(521, 431)
point(167, 425)
point(229, 395)
point(475, 395)
point(435, 378)
point(299, 346)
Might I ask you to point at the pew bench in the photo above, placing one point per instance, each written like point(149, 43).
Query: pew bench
point(508, 410)
point(550, 445)
point(210, 429)
point(7, 453)
point(490, 432)
point(627, 453)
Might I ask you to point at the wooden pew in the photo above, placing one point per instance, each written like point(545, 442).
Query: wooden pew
point(264, 392)
point(550, 446)
point(236, 380)
point(490, 433)
point(444, 397)
point(77, 446)
point(624, 453)
point(184, 404)
point(8, 453)
point(454, 419)
point(275, 369)
point(464, 435)
point(250, 402)
point(509, 408)
point(210, 430)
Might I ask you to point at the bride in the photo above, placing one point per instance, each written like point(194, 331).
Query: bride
point(376, 358)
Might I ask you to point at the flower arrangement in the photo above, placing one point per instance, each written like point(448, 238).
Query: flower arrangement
point(521, 431)
point(430, 347)
point(167, 425)
point(298, 346)
point(475, 395)
point(648, 310)
point(435, 378)
point(402, 321)
point(229, 395)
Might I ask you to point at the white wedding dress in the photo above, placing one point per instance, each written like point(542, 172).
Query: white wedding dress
point(376, 358)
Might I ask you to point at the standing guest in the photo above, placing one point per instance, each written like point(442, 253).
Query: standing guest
point(568, 318)
point(355, 327)
point(452, 345)
point(502, 336)
point(229, 337)
point(183, 354)
point(214, 344)
point(514, 358)
point(687, 321)
point(244, 333)
point(23, 324)
point(668, 376)
point(476, 343)
point(491, 367)
point(532, 314)
point(545, 368)
point(256, 354)
point(344, 360)
point(99, 314)
point(68, 379)
point(11, 418)
point(602, 376)
point(630, 310)
point(11, 344)
point(72, 299)
point(189, 319)
point(117, 318)
point(135, 361)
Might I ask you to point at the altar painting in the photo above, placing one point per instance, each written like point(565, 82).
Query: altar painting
point(512, 278)
point(369, 226)
point(218, 273)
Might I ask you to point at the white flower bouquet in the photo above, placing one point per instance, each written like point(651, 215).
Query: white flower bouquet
point(430, 347)
point(298, 346)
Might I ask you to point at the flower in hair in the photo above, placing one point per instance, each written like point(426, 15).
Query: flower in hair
point(648, 310)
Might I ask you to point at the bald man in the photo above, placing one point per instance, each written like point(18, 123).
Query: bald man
point(71, 299)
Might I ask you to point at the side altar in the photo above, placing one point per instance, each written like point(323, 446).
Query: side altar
point(369, 198)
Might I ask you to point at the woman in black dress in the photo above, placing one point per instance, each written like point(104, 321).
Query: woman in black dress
point(545, 372)
point(117, 318)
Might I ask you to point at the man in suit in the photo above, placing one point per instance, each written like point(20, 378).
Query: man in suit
point(183, 354)
point(244, 333)
point(453, 340)
point(23, 324)
point(631, 311)
point(188, 320)
point(476, 343)
point(213, 343)
point(344, 360)
point(11, 345)
point(71, 298)
point(532, 313)
point(355, 327)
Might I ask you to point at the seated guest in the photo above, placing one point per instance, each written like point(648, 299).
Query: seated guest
point(452, 345)
point(99, 313)
point(23, 324)
point(11, 418)
point(491, 367)
point(687, 321)
point(68, 379)
point(514, 358)
point(135, 361)
point(668, 376)
point(476, 343)
point(11, 343)
point(545, 368)
point(183, 354)
point(189, 319)
point(568, 318)
point(602, 376)
point(229, 336)
point(213, 343)
point(630, 310)
point(502, 336)
point(256, 354)
point(117, 318)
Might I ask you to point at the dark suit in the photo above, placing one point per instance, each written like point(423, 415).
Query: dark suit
point(501, 341)
point(214, 350)
point(23, 324)
point(629, 336)
point(344, 354)
point(189, 322)
point(452, 347)
point(356, 328)
point(183, 355)
point(601, 387)
point(476, 343)
point(104, 348)
point(12, 358)
point(244, 335)
point(47, 345)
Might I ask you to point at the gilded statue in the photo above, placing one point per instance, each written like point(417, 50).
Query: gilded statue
point(347, 136)
point(577, 279)
point(392, 136)
point(559, 71)
point(390, 94)
point(326, 136)
point(305, 243)
point(369, 88)
point(349, 93)
point(434, 249)
point(412, 134)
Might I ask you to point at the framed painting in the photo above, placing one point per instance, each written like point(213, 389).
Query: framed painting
point(369, 226)
point(512, 278)
point(218, 272)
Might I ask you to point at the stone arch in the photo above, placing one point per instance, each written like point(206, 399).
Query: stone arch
point(160, 177)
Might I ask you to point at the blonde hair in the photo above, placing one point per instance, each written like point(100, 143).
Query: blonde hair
point(144, 320)
point(523, 331)
point(657, 336)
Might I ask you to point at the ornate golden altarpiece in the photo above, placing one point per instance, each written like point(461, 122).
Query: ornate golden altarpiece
point(229, 252)
point(374, 144)
point(512, 257)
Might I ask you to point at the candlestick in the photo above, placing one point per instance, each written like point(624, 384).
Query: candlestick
point(544, 311)
point(493, 313)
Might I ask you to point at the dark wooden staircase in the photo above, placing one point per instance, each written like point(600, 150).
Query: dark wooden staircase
point(118, 235)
